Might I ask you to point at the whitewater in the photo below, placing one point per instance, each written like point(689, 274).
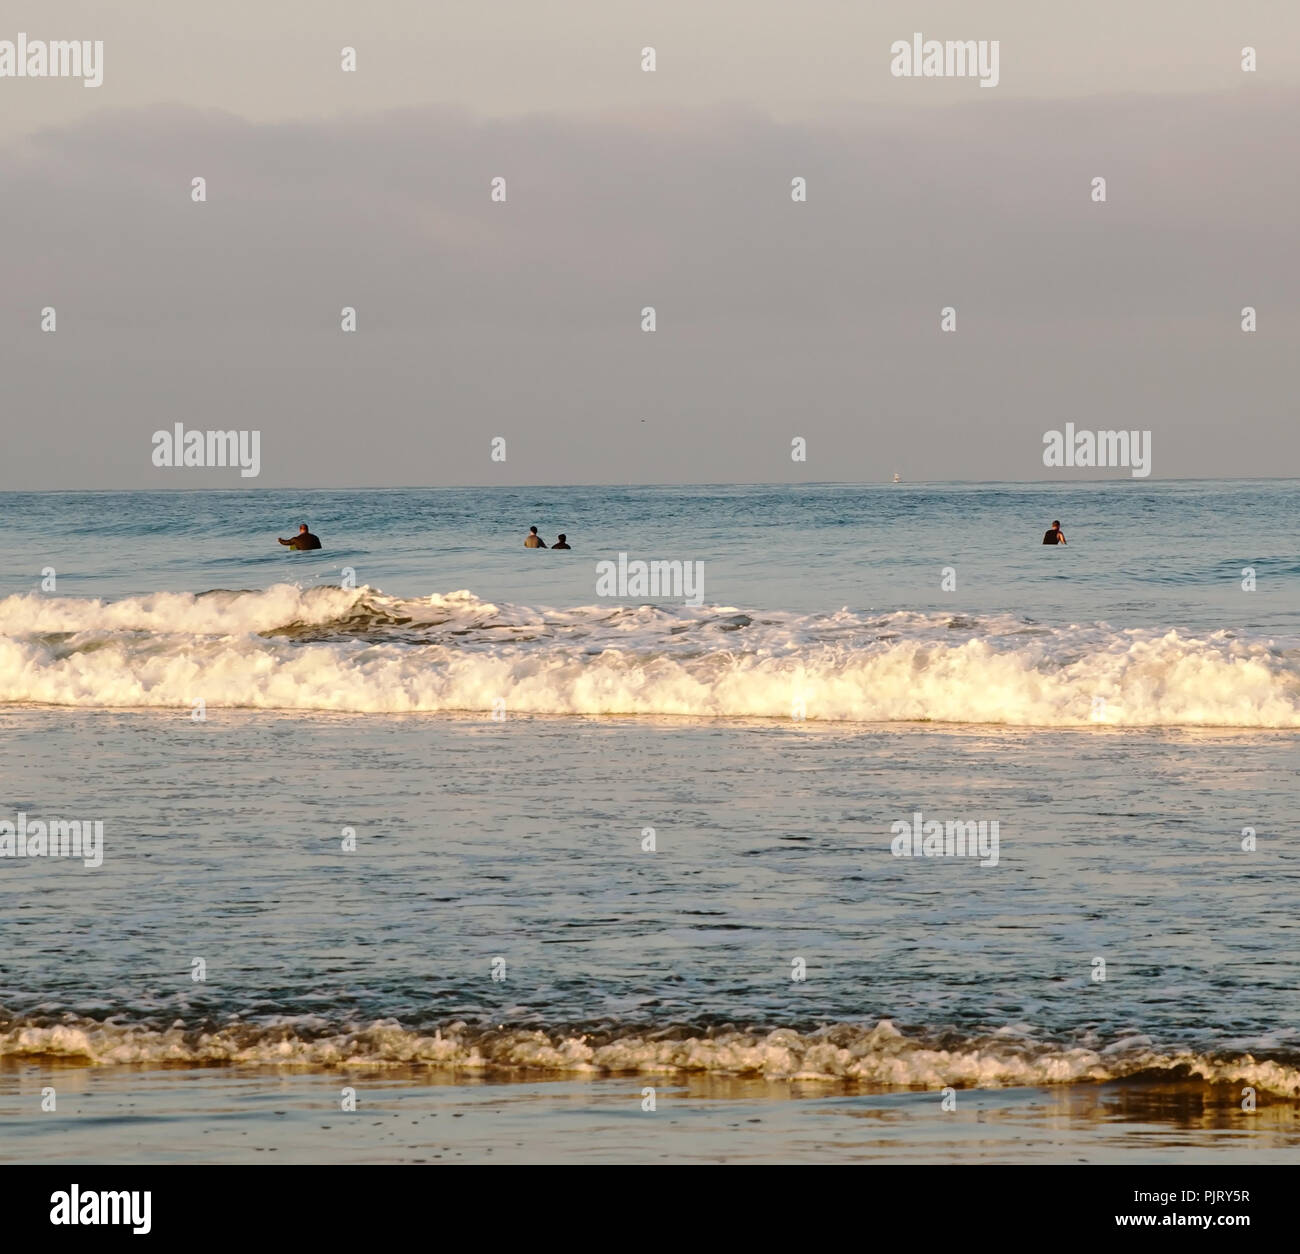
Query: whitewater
point(358, 650)
point(876, 1055)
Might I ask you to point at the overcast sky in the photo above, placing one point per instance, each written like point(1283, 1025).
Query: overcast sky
point(628, 189)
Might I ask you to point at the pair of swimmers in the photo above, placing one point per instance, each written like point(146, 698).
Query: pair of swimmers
point(533, 541)
point(305, 540)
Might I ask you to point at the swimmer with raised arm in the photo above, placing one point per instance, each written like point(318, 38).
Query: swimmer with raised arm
point(303, 540)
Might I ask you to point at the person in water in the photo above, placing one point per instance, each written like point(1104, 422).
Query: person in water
point(1055, 535)
point(533, 541)
point(303, 540)
point(560, 543)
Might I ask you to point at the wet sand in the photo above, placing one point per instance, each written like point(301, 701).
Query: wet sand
point(236, 1115)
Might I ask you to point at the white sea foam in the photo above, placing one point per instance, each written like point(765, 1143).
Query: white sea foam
point(359, 650)
point(220, 612)
point(878, 1056)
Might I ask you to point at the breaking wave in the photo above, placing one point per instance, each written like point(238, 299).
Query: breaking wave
point(358, 650)
point(876, 1056)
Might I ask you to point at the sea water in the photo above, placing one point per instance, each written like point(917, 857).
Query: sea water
point(421, 812)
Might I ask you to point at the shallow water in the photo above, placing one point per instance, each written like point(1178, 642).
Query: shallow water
point(237, 1116)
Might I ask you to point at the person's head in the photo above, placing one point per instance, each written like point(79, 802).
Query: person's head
point(532, 531)
point(302, 526)
point(562, 537)
point(1056, 524)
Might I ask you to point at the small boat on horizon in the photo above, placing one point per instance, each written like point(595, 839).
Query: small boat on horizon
point(896, 477)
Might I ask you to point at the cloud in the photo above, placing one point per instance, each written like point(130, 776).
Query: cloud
point(775, 318)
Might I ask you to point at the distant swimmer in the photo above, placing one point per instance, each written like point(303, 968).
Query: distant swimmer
point(533, 541)
point(303, 540)
point(560, 543)
point(1055, 535)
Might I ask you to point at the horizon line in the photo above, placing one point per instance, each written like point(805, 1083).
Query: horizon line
point(810, 483)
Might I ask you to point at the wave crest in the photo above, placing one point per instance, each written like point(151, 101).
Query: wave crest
point(358, 650)
point(878, 1056)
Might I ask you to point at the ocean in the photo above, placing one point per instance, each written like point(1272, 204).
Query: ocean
point(417, 848)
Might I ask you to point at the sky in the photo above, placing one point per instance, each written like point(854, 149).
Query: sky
point(627, 189)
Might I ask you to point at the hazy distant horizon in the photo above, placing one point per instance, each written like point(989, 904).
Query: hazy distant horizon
point(1072, 484)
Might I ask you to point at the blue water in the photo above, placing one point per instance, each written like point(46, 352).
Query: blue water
point(1138, 553)
point(1121, 706)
